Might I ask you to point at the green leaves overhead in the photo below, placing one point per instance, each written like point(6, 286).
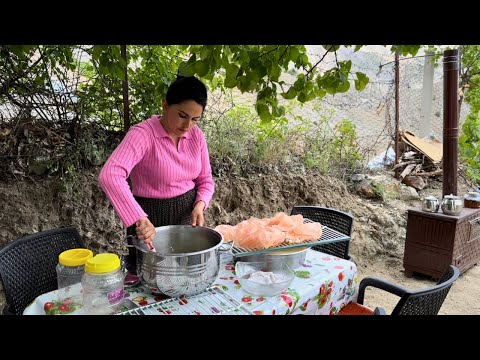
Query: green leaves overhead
point(290, 94)
point(255, 68)
point(201, 68)
point(336, 80)
point(406, 49)
point(187, 68)
point(361, 81)
point(108, 60)
point(469, 141)
point(357, 47)
point(273, 72)
point(21, 50)
point(331, 48)
point(263, 111)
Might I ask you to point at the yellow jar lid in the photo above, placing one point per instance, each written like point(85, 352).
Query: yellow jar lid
point(75, 257)
point(102, 263)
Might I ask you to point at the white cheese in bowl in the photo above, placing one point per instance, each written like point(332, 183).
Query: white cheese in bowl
point(263, 277)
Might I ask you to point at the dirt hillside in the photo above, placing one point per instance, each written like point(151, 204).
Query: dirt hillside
point(377, 244)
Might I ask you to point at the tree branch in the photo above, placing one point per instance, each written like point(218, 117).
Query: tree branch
point(51, 84)
point(268, 52)
point(283, 54)
point(319, 61)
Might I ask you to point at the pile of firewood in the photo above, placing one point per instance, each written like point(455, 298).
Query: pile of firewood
point(415, 168)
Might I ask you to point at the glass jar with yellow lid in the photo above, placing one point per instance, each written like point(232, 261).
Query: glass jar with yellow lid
point(70, 269)
point(102, 285)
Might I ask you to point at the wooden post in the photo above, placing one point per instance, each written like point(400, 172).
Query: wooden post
point(450, 121)
point(397, 113)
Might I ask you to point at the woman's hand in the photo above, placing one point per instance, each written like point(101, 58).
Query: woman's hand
point(197, 214)
point(145, 230)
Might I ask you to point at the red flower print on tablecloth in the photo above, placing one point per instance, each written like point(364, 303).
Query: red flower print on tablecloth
point(183, 302)
point(247, 299)
point(324, 294)
point(237, 284)
point(304, 306)
point(290, 297)
point(288, 300)
point(65, 306)
point(160, 297)
point(322, 290)
point(139, 298)
point(230, 267)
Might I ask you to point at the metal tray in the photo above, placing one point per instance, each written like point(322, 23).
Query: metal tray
point(213, 301)
point(328, 236)
point(294, 258)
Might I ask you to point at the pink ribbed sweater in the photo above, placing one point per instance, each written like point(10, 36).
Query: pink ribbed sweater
point(156, 168)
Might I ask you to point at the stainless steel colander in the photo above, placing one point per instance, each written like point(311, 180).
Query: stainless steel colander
point(186, 261)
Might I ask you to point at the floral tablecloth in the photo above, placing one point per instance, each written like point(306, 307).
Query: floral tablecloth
point(323, 285)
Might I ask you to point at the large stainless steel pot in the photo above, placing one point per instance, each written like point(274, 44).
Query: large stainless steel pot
point(186, 261)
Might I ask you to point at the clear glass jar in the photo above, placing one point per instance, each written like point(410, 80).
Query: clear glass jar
point(70, 269)
point(102, 284)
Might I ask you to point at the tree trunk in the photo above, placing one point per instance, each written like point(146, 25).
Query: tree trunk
point(126, 108)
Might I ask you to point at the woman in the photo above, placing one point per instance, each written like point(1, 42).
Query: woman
point(167, 160)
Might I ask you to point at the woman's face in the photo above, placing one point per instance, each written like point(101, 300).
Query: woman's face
point(180, 118)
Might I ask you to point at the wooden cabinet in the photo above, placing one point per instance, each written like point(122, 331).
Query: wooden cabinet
point(435, 240)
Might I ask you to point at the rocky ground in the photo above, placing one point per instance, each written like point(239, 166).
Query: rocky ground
point(377, 243)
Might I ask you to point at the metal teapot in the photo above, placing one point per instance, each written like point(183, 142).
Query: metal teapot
point(430, 204)
point(452, 205)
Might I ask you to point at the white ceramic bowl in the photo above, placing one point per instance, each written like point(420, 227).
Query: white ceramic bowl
point(252, 276)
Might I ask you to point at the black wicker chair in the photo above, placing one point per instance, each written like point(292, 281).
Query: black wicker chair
point(334, 219)
point(27, 265)
point(426, 301)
